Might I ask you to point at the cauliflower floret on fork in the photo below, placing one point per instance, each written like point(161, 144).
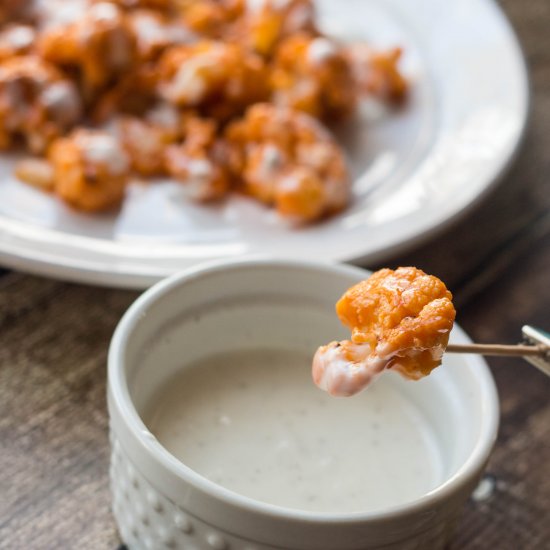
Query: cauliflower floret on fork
point(400, 320)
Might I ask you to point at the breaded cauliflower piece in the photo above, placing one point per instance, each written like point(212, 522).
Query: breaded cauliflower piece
point(133, 94)
point(376, 72)
point(265, 24)
point(146, 138)
point(91, 170)
point(312, 74)
point(288, 159)
point(400, 320)
point(200, 162)
point(37, 103)
point(219, 80)
point(155, 32)
point(100, 46)
point(211, 18)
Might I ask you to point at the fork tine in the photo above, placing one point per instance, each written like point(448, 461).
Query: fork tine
point(532, 335)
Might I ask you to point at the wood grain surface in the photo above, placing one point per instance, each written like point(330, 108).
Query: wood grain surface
point(54, 449)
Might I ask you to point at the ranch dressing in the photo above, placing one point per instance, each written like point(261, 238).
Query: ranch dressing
point(255, 423)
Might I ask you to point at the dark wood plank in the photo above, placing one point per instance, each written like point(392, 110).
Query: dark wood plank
point(53, 421)
point(515, 515)
point(52, 381)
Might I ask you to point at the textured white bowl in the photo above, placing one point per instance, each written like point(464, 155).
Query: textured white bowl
point(158, 502)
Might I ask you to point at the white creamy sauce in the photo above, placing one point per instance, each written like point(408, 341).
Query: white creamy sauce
point(195, 168)
point(19, 37)
point(300, 17)
point(292, 182)
point(148, 28)
point(317, 155)
point(52, 13)
point(271, 162)
point(256, 6)
point(176, 34)
point(197, 175)
point(142, 136)
point(104, 149)
point(255, 423)
point(104, 11)
point(320, 50)
point(165, 116)
point(199, 168)
point(188, 82)
point(337, 375)
point(61, 99)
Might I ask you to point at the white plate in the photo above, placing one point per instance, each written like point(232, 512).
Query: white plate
point(416, 169)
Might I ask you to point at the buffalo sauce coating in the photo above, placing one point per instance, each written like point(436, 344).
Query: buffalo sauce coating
point(399, 320)
point(257, 80)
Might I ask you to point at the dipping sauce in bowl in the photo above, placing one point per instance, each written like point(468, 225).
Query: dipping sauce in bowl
point(255, 423)
point(221, 440)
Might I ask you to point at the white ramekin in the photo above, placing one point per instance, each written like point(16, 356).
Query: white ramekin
point(158, 502)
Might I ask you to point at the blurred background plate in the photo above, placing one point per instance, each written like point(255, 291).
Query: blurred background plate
point(416, 169)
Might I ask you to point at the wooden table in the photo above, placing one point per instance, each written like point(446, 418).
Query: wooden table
point(54, 451)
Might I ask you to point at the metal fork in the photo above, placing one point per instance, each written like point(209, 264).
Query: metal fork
point(538, 337)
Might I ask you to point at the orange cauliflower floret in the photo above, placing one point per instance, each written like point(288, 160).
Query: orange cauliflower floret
point(100, 46)
point(146, 138)
point(377, 74)
point(288, 159)
point(258, 25)
point(199, 163)
point(266, 23)
point(410, 312)
point(37, 103)
point(399, 320)
point(16, 40)
point(211, 18)
point(91, 170)
point(219, 80)
point(312, 74)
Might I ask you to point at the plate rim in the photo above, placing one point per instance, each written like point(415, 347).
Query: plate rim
point(80, 271)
